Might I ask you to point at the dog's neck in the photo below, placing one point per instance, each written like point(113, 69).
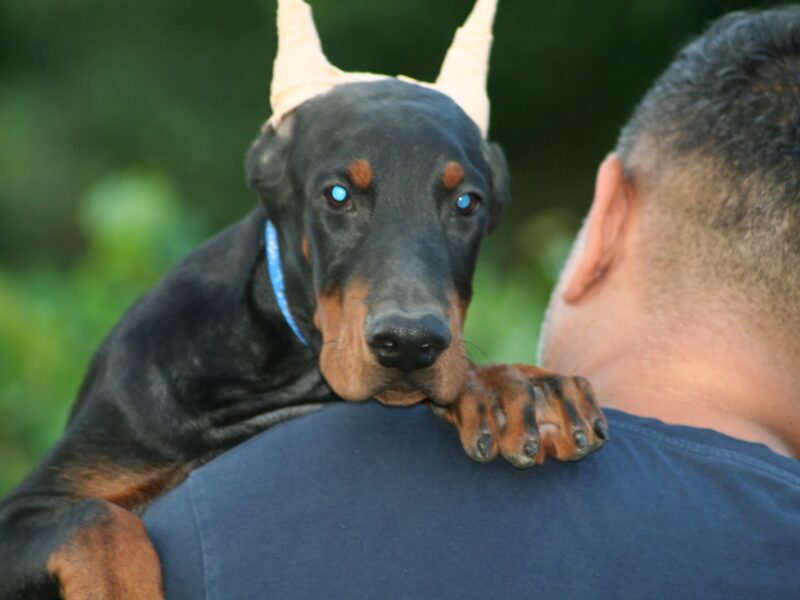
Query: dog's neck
point(297, 289)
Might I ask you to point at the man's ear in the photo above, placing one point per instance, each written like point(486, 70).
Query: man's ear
point(266, 165)
point(501, 184)
point(601, 239)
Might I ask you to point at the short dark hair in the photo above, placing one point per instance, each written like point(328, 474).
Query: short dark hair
point(717, 139)
point(733, 92)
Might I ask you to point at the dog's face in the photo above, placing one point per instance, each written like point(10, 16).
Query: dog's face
point(386, 191)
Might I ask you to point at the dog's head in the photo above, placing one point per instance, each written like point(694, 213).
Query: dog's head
point(383, 189)
point(387, 189)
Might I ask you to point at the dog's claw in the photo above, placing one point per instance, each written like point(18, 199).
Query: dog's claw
point(601, 429)
point(530, 448)
point(484, 445)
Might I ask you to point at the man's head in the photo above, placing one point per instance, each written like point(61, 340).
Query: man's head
point(698, 211)
point(383, 190)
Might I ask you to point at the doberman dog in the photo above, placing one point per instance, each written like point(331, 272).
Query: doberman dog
point(380, 194)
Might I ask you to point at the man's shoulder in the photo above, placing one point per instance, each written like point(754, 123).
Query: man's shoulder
point(693, 445)
point(414, 443)
point(386, 497)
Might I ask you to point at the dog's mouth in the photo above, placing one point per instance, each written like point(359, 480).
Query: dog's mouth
point(359, 381)
point(400, 398)
point(403, 391)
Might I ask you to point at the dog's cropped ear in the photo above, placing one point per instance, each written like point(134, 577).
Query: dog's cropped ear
point(267, 161)
point(501, 184)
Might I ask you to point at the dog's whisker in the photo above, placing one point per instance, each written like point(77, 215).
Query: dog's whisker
point(477, 348)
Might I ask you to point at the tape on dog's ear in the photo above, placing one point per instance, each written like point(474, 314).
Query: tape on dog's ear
point(501, 184)
point(302, 71)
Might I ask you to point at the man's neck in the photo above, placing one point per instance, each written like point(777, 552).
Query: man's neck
point(702, 378)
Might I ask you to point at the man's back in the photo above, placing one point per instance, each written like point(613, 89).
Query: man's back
point(360, 501)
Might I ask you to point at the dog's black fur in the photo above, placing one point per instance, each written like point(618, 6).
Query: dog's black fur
point(206, 360)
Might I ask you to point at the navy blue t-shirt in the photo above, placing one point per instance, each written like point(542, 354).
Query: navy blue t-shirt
point(362, 501)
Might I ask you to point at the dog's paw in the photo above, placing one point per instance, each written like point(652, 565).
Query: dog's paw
point(526, 414)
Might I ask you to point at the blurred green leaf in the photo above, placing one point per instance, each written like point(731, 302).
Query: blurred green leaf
point(52, 320)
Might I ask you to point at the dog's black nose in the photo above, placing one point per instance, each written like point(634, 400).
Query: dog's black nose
point(408, 342)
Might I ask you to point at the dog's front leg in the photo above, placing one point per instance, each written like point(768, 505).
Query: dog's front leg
point(109, 557)
point(68, 537)
point(82, 550)
point(526, 414)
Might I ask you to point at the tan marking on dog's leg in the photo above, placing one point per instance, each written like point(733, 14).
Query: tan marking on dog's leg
point(110, 559)
point(129, 488)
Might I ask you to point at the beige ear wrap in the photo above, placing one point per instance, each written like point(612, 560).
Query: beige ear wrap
point(302, 71)
point(465, 69)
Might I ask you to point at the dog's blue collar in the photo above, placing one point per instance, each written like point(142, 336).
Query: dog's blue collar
point(275, 268)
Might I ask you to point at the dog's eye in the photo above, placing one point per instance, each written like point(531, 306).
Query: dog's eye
point(467, 204)
point(338, 196)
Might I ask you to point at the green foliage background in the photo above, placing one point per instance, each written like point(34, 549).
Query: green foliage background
point(123, 127)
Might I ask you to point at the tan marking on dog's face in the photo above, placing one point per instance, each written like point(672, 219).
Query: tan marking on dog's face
point(360, 173)
point(453, 175)
point(452, 366)
point(354, 373)
point(304, 247)
point(345, 360)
